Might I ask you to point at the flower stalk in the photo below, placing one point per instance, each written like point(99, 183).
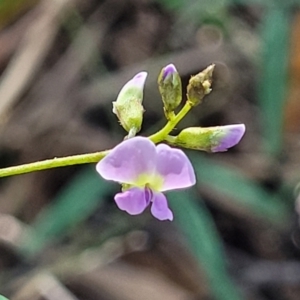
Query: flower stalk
point(89, 157)
point(56, 162)
point(163, 133)
point(129, 110)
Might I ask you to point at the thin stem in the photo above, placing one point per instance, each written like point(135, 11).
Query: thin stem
point(132, 133)
point(53, 163)
point(161, 134)
point(170, 139)
point(90, 157)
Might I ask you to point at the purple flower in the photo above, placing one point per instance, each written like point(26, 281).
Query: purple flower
point(147, 171)
point(228, 136)
point(168, 72)
point(133, 88)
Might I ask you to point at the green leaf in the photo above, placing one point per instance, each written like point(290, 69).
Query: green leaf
point(273, 80)
point(72, 205)
point(201, 234)
point(172, 4)
point(241, 190)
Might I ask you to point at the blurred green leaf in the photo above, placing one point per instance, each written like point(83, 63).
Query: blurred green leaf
point(199, 229)
point(11, 10)
point(273, 80)
point(268, 3)
point(198, 11)
point(73, 204)
point(240, 190)
point(3, 298)
point(172, 4)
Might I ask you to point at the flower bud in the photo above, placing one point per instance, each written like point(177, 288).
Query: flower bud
point(128, 106)
point(200, 85)
point(169, 85)
point(210, 139)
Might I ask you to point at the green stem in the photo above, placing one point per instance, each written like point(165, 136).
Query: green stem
point(161, 134)
point(90, 157)
point(53, 163)
point(170, 140)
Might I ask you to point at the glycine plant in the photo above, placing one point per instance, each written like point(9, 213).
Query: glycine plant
point(148, 166)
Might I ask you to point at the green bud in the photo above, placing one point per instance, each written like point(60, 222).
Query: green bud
point(128, 106)
point(200, 85)
point(210, 139)
point(169, 85)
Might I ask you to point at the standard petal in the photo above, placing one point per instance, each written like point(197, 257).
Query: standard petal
point(127, 161)
point(159, 208)
point(133, 201)
point(174, 167)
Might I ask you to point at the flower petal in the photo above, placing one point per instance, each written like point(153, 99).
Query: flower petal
point(159, 208)
point(228, 137)
point(127, 161)
point(139, 80)
point(133, 201)
point(174, 166)
point(168, 72)
point(133, 88)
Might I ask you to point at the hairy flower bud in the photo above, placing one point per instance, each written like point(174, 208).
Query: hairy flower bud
point(128, 106)
point(210, 139)
point(169, 85)
point(200, 85)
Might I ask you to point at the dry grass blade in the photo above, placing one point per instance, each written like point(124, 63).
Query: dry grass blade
point(31, 54)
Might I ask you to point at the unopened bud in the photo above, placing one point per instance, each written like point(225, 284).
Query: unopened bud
point(128, 106)
point(170, 88)
point(200, 85)
point(210, 139)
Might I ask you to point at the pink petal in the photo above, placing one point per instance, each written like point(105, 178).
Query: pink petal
point(174, 166)
point(159, 208)
point(229, 136)
point(168, 72)
point(127, 161)
point(133, 201)
point(133, 87)
point(138, 81)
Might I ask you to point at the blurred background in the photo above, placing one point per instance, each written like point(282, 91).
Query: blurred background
point(235, 234)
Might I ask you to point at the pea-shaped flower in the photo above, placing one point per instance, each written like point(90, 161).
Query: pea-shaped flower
point(146, 170)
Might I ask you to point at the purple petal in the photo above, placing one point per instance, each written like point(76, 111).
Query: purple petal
point(168, 71)
point(127, 161)
point(133, 201)
point(174, 166)
point(229, 136)
point(159, 208)
point(137, 83)
point(139, 80)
